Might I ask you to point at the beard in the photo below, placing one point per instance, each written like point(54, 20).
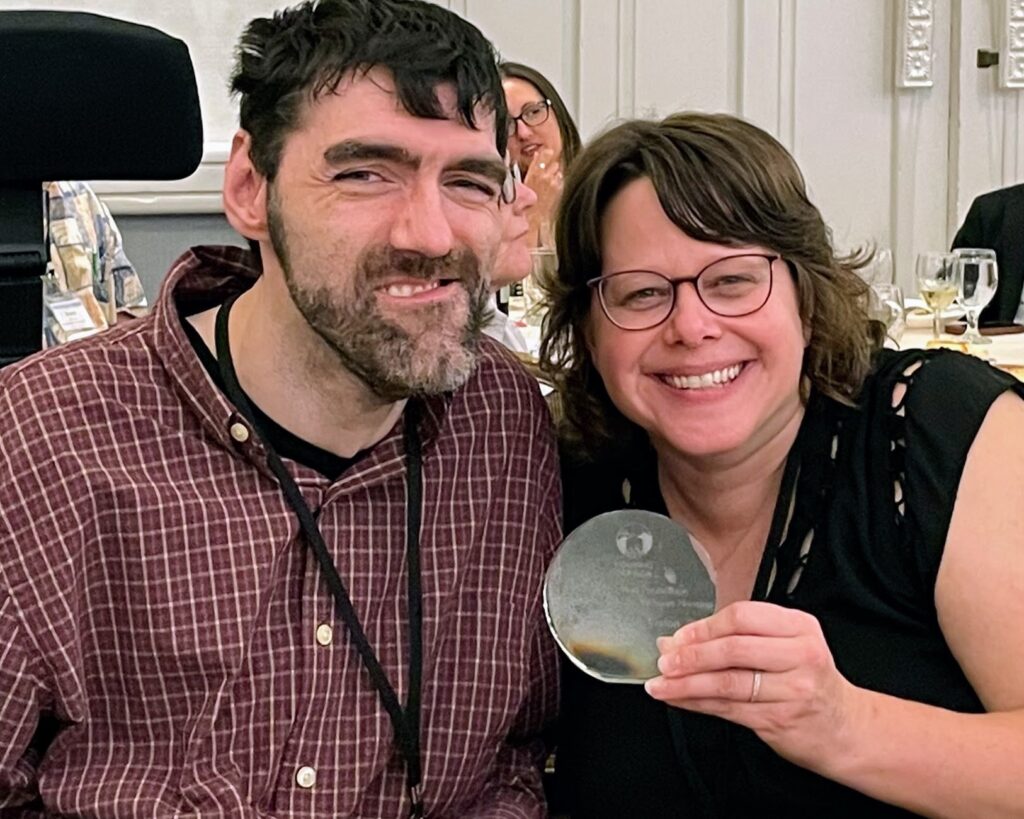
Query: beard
point(394, 362)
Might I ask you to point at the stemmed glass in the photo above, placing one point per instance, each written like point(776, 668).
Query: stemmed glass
point(978, 277)
point(880, 269)
point(938, 284)
point(544, 269)
point(887, 307)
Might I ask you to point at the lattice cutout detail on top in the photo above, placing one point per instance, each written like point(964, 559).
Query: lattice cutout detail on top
point(896, 422)
point(898, 439)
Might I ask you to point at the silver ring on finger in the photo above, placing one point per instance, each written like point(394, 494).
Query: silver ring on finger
point(755, 686)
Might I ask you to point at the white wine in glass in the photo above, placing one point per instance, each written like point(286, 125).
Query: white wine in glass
point(938, 296)
point(937, 282)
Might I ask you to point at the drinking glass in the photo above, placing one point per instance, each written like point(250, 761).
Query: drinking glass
point(978, 278)
point(880, 269)
point(937, 283)
point(887, 307)
point(544, 265)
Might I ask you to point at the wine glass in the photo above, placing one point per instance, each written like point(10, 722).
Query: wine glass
point(978, 277)
point(544, 266)
point(879, 270)
point(887, 307)
point(937, 283)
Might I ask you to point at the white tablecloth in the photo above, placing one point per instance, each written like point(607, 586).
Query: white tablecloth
point(1004, 350)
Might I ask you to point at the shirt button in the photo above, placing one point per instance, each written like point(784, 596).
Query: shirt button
point(324, 634)
point(305, 777)
point(240, 432)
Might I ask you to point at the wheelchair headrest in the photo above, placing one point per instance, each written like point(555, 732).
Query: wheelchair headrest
point(89, 97)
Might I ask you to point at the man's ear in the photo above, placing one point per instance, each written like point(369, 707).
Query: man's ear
point(245, 191)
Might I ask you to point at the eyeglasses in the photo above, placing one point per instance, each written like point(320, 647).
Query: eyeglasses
point(641, 299)
point(534, 114)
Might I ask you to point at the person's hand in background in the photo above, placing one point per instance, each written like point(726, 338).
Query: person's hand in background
point(544, 177)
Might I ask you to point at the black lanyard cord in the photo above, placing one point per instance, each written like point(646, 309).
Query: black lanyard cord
point(411, 713)
point(405, 722)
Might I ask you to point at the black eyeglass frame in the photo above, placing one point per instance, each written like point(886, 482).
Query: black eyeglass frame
point(513, 122)
point(595, 283)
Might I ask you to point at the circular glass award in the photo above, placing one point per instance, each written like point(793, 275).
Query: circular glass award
point(616, 584)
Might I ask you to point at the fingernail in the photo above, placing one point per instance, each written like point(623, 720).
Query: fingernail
point(653, 686)
point(663, 643)
point(667, 663)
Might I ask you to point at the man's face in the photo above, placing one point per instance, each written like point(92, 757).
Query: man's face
point(385, 227)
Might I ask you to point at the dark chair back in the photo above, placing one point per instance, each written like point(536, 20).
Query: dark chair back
point(81, 97)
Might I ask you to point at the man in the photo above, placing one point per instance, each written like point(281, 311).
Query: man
point(996, 220)
point(276, 549)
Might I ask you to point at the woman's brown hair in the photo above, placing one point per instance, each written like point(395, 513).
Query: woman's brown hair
point(722, 180)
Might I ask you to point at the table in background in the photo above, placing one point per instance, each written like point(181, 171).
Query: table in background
point(1005, 352)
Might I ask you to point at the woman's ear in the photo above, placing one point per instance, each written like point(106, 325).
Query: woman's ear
point(245, 191)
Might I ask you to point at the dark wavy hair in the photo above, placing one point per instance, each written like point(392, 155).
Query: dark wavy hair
point(719, 179)
point(302, 53)
point(571, 142)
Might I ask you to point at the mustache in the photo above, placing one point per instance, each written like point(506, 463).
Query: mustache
point(383, 263)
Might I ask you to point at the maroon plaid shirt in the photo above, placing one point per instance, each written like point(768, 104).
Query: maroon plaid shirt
point(167, 645)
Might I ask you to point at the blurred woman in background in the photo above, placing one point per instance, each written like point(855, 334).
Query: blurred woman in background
point(512, 264)
point(543, 141)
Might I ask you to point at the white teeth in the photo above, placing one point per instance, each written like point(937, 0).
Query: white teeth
point(716, 378)
point(406, 290)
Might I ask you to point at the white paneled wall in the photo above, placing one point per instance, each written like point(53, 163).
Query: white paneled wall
point(897, 167)
point(987, 122)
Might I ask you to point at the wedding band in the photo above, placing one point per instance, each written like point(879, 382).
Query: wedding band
point(755, 687)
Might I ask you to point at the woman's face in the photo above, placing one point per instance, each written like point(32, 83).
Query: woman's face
point(660, 378)
point(526, 140)
point(513, 261)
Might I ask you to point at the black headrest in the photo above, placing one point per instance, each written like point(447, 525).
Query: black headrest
point(89, 97)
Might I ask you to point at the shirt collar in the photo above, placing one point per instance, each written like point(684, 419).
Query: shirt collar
point(204, 277)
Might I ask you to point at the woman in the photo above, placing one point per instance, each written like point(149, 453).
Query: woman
point(858, 506)
point(543, 141)
point(512, 264)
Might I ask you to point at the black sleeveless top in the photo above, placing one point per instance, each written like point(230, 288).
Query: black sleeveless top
point(873, 496)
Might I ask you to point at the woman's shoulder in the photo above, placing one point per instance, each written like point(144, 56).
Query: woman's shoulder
point(952, 363)
point(927, 406)
point(935, 381)
point(920, 413)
